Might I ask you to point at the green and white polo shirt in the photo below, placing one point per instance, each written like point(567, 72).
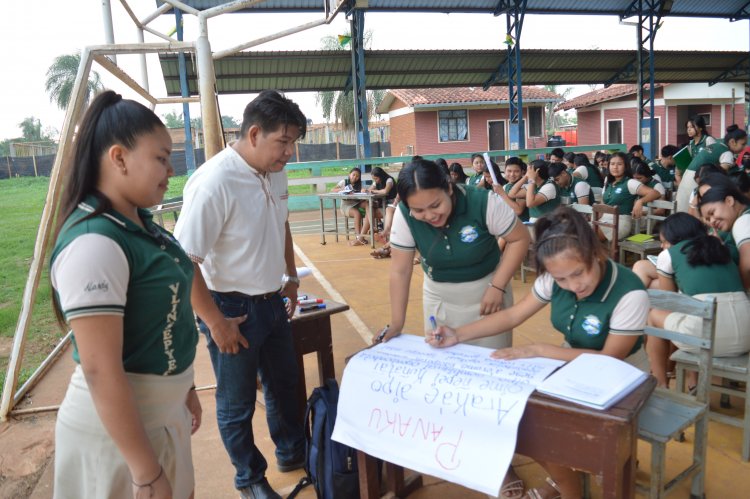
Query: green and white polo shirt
point(589, 174)
point(694, 280)
point(108, 265)
point(709, 154)
point(475, 179)
point(466, 248)
point(741, 229)
point(619, 305)
point(577, 189)
point(665, 174)
point(524, 216)
point(551, 192)
point(622, 194)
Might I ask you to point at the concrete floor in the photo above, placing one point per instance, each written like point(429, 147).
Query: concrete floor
point(342, 273)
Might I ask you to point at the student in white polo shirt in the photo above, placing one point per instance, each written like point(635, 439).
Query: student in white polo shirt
point(234, 227)
point(122, 284)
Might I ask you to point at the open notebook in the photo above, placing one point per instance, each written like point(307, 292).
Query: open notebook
point(593, 380)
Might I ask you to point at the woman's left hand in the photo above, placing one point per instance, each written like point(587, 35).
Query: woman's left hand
point(637, 209)
point(511, 353)
point(194, 406)
point(531, 174)
point(492, 301)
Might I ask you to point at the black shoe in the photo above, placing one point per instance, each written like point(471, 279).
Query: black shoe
point(260, 490)
point(295, 464)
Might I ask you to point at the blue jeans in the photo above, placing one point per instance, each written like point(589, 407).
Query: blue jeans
point(271, 354)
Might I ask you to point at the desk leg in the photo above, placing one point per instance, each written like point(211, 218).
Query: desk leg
point(372, 223)
point(397, 484)
point(322, 223)
point(326, 368)
point(369, 488)
point(335, 219)
point(618, 473)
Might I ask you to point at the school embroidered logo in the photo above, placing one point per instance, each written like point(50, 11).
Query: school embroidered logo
point(468, 234)
point(618, 190)
point(592, 325)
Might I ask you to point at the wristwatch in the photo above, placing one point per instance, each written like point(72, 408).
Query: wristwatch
point(293, 278)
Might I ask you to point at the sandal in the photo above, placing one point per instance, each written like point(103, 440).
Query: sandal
point(358, 241)
point(513, 488)
point(381, 253)
point(538, 493)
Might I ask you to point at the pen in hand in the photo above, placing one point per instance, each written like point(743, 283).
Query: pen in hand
point(381, 335)
point(433, 324)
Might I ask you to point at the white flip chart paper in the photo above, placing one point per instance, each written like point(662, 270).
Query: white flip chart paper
point(451, 412)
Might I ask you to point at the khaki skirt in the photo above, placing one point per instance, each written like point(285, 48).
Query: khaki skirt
point(686, 187)
point(456, 304)
point(88, 464)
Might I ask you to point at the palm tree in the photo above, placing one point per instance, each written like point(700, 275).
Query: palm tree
point(552, 118)
point(340, 105)
point(61, 77)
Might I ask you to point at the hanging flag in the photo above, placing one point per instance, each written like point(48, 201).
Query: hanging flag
point(344, 39)
point(509, 41)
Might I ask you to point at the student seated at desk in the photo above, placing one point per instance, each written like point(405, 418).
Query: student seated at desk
point(697, 264)
point(382, 184)
point(350, 208)
point(598, 305)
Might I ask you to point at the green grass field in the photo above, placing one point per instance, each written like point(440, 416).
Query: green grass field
point(21, 203)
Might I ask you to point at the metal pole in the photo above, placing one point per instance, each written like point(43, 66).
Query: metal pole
point(144, 68)
point(109, 32)
point(207, 89)
point(185, 92)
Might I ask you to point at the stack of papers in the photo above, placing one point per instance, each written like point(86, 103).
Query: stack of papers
point(593, 380)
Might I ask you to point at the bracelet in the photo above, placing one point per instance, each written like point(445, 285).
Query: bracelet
point(192, 388)
point(150, 484)
point(490, 285)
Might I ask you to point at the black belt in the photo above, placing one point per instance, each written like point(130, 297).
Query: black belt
point(253, 298)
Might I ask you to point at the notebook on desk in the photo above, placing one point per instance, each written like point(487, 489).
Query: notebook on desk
point(593, 380)
point(640, 238)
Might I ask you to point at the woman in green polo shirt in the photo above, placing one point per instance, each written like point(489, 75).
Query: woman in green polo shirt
point(695, 128)
point(697, 264)
point(623, 191)
point(574, 188)
point(542, 193)
point(122, 284)
point(515, 170)
point(725, 208)
point(598, 305)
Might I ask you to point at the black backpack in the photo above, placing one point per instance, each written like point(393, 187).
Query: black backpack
point(331, 467)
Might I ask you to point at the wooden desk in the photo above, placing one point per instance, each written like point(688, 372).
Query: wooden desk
point(311, 333)
point(335, 197)
point(552, 430)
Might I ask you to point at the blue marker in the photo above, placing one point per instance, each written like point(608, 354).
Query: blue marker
point(433, 323)
point(314, 306)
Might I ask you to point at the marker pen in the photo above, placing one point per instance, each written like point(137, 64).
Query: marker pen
point(309, 301)
point(433, 323)
point(314, 306)
point(301, 297)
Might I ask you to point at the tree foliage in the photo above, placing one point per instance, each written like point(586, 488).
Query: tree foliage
point(177, 120)
point(552, 118)
point(61, 77)
point(340, 105)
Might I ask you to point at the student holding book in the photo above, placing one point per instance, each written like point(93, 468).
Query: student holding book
point(697, 264)
point(598, 305)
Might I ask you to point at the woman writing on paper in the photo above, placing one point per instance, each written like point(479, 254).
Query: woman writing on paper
point(456, 229)
point(598, 305)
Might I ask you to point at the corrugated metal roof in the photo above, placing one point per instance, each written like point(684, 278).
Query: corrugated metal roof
point(683, 8)
point(251, 72)
point(600, 95)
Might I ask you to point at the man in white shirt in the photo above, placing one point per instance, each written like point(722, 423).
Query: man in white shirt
point(234, 227)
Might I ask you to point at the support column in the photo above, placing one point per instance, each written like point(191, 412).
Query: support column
point(514, 12)
point(357, 26)
point(185, 92)
point(212, 139)
point(649, 18)
point(109, 32)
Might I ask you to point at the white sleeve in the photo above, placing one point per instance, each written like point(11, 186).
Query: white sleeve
point(500, 216)
point(633, 186)
point(548, 191)
point(630, 315)
point(664, 264)
point(726, 158)
point(389, 181)
point(342, 183)
point(741, 230)
point(582, 189)
point(710, 141)
point(582, 172)
point(401, 236)
point(693, 200)
point(201, 220)
point(658, 187)
point(542, 288)
point(91, 277)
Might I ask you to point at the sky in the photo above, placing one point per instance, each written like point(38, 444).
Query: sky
point(34, 32)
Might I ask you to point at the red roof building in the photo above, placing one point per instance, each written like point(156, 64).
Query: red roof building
point(610, 115)
point(454, 120)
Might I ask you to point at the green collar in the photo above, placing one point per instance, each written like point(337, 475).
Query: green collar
point(91, 203)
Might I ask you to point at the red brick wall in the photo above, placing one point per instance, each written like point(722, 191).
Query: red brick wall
point(589, 131)
point(589, 126)
point(403, 134)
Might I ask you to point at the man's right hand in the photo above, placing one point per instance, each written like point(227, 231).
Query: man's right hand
point(226, 334)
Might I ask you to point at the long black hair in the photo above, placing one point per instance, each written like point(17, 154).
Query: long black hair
point(418, 175)
point(381, 175)
point(109, 120)
point(721, 187)
point(581, 159)
point(701, 249)
point(458, 170)
point(566, 229)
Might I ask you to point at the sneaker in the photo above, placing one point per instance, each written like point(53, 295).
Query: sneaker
point(296, 464)
point(260, 490)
